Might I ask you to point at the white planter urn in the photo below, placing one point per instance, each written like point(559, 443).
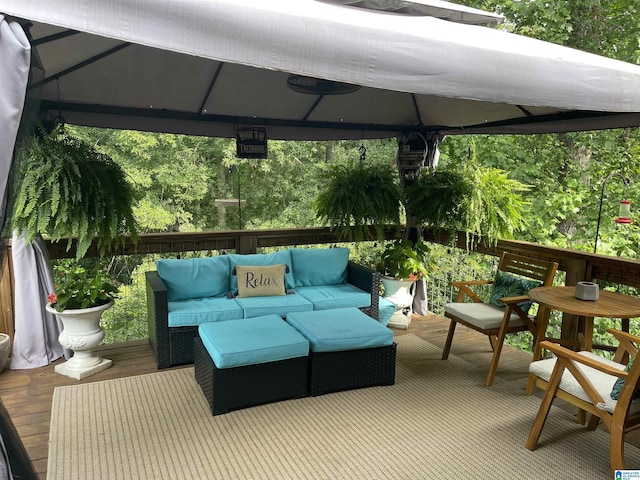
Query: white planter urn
point(398, 292)
point(81, 333)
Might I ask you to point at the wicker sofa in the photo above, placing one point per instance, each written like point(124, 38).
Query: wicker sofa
point(182, 294)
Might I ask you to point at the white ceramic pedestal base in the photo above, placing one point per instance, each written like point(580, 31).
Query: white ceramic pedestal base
point(399, 320)
point(82, 372)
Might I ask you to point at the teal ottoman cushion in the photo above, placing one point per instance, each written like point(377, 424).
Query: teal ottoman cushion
point(340, 329)
point(252, 341)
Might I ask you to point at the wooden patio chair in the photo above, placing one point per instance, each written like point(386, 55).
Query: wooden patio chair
point(587, 381)
point(507, 309)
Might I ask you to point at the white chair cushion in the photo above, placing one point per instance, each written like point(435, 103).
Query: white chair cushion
point(482, 315)
point(602, 382)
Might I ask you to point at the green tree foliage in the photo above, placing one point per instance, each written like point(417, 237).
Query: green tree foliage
point(565, 171)
point(172, 173)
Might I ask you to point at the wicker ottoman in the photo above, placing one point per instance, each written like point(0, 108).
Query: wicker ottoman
point(349, 349)
point(242, 363)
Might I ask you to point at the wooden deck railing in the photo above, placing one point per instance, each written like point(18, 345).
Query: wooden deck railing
point(576, 264)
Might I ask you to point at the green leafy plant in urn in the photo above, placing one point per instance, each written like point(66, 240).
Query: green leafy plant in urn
point(401, 264)
point(80, 298)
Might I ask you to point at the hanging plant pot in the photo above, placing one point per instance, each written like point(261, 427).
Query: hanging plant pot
point(357, 196)
point(64, 188)
point(480, 201)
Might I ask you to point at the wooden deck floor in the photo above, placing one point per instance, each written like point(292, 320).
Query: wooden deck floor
point(27, 394)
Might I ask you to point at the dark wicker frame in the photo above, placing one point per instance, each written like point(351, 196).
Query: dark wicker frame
point(174, 345)
point(229, 389)
point(18, 461)
point(350, 369)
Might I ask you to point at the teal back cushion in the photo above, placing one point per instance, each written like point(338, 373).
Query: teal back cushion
point(195, 277)
point(320, 266)
point(508, 285)
point(617, 387)
point(262, 260)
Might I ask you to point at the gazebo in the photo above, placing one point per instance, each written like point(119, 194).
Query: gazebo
point(303, 69)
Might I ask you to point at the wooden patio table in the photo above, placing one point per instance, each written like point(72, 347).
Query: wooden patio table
point(609, 305)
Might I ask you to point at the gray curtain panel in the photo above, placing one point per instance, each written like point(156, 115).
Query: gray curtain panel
point(15, 52)
point(36, 331)
point(35, 343)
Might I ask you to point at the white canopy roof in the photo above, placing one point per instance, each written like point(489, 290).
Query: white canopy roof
point(204, 66)
point(432, 8)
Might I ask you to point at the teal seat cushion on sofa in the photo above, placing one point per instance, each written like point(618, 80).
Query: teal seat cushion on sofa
point(261, 260)
point(193, 312)
point(340, 329)
point(195, 277)
point(277, 305)
point(325, 297)
point(252, 341)
point(326, 266)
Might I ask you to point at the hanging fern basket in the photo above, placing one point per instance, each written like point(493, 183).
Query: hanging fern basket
point(359, 196)
point(482, 202)
point(64, 188)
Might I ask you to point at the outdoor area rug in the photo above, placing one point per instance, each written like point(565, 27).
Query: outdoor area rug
point(438, 421)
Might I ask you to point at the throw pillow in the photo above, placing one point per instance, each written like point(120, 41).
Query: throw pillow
point(508, 285)
point(261, 260)
point(617, 387)
point(261, 281)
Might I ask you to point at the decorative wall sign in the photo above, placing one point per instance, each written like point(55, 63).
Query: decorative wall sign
point(251, 142)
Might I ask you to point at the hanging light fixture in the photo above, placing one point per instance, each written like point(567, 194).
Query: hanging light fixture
point(319, 86)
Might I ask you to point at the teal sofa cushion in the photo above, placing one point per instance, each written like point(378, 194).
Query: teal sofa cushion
point(340, 329)
point(386, 309)
point(195, 277)
point(185, 313)
point(252, 341)
point(326, 266)
point(261, 260)
point(325, 297)
point(278, 305)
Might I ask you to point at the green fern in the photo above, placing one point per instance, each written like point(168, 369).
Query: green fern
point(63, 188)
point(357, 196)
point(480, 201)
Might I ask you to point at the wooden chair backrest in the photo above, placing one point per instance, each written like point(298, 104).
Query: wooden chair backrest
point(533, 268)
point(628, 345)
